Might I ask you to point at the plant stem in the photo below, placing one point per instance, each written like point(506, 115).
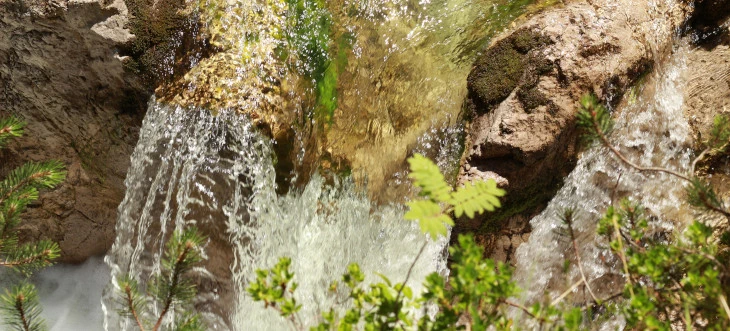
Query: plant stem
point(130, 304)
point(408, 276)
point(564, 294)
point(19, 306)
point(617, 228)
point(174, 282)
point(723, 303)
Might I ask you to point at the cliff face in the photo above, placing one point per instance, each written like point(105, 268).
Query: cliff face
point(524, 92)
point(60, 73)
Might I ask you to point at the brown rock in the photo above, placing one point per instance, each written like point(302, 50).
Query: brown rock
point(524, 90)
point(63, 79)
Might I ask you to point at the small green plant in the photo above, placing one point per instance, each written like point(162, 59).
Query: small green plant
point(477, 293)
point(18, 189)
point(171, 291)
point(671, 281)
point(681, 281)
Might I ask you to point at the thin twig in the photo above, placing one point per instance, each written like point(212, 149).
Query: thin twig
point(520, 307)
point(562, 296)
point(723, 303)
point(580, 268)
point(408, 276)
point(130, 304)
point(698, 158)
point(621, 254)
point(618, 154)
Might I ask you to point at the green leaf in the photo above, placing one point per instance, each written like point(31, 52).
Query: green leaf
point(428, 177)
point(476, 197)
point(430, 217)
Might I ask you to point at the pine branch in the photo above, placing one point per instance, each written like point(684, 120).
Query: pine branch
point(34, 174)
point(189, 322)
point(10, 128)
point(11, 209)
point(181, 253)
point(132, 301)
point(21, 308)
point(595, 120)
point(30, 257)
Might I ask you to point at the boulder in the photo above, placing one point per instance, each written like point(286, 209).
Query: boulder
point(524, 90)
point(59, 71)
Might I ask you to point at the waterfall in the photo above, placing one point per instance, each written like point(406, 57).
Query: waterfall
point(652, 131)
point(191, 168)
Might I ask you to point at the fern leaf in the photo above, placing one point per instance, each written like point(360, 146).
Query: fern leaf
point(476, 197)
point(430, 217)
point(21, 308)
point(428, 177)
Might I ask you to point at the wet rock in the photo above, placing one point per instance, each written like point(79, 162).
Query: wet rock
point(524, 89)
point(59, 72)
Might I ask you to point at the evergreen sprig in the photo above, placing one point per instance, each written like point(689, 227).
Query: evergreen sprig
point(171, 287)
point(10, 128)
point(719, 134)
point(17, 190)
point(21, 308)
point(35, 175)
point(30, 257)
point(594, 119)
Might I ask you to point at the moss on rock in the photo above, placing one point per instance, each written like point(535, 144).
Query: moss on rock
point(165, 40)
point(503, 66)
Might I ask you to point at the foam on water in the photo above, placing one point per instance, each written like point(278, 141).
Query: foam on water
point(191, 168)
point(652, 131)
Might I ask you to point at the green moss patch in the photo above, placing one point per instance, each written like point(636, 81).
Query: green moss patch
point(503, 66)
point(164, 40)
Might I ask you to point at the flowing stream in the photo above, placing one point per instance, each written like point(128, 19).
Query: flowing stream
point(409, 60)
point(217, 172)
point(651, 130)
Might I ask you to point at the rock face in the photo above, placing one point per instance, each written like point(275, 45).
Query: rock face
point(524, 89)
point(59, 73)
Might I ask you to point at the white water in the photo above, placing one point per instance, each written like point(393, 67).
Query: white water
point(70, 295)
point(215, 172)
point(651, 131)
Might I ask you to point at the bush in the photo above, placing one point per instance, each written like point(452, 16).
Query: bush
point(679, 282)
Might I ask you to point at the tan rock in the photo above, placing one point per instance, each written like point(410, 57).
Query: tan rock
point(524, 90)
point(62, 77)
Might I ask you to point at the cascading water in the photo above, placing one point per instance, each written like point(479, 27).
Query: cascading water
point(652, 131)
point(216, 172)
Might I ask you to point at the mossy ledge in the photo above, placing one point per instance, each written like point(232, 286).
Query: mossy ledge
point(509, 63)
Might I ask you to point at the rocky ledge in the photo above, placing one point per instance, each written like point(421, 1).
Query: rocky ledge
point(524, 92)
point(59, 71)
